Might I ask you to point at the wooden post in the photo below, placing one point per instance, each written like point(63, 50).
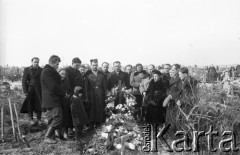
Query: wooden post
point(18, 126)
point(11, 112)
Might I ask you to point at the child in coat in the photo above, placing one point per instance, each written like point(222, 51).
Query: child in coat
point(79, 115)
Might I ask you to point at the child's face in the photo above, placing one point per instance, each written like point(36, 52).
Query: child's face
point(80, 94)
point(63, 74)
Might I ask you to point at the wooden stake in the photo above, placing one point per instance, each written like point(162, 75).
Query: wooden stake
point(11, 112)
point(18, 126)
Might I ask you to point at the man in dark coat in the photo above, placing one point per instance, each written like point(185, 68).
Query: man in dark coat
point(95, 92)
point(73, 74)
point(74, 78)
point(129, 70)
point(120, 79)
point(156, 93)
point(173, 95)
point(105, 67)
point(52, 97)
point(166, 75)
point(135, 80)
point(32, 89)
point(187, 96)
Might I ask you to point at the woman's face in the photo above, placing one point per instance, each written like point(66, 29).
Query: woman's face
point(63, 74)
point(156, 77)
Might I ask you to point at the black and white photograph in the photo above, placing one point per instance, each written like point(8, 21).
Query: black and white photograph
point(120, 77)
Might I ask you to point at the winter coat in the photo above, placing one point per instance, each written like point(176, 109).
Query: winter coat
point(156, 92)
point(31, 82)
point(95, 89)
point(135, 80)
point(51, 88)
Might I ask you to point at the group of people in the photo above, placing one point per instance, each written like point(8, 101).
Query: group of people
point(74, 97)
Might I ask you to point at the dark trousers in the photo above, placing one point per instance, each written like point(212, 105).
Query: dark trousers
point(138, 106)
point(55, 117)
point(34, 103)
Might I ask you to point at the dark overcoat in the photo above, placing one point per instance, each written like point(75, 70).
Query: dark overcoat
point(74, 77)
point(79, 115)
point(187, 99)
point(175, 87)
point(157, 92)
point(67, 117)
point(31, 84)
point(187, 95)
point(113, 79)
point(95, 89)
point(51, 88)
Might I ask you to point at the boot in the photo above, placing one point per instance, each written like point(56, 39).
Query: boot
point(70, 133)
point(90, 127)
point(78, 133)
point(49, 136)
point(58, 135)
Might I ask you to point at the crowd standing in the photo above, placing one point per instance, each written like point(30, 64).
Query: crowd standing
point(74, 97)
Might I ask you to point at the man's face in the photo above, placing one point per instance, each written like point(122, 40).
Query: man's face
point(117, 67)
point(139, 68)
point(150, 69)
point(156, 77)
point(63, 74)
point(94, 66)
point(174, 71)
point(82, 70)
point(55, 65)
point(76, 65)
point(105, 67)
point(35, 63)
point(182, 75)
point(167, 68)
point(129, 69)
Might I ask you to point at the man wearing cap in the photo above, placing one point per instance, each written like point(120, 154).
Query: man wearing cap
point(95, 92)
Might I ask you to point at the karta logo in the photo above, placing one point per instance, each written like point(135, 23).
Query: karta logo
point(152, 136)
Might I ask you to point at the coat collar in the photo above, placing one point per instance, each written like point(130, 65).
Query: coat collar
point(37, 72)
point(174, 80)
point(120, 72)
point(47, 66)
point(143, 72)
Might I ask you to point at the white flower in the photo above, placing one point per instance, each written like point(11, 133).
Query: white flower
point(109, 128)
point(105, 135)
point(131, 146)
point(119, 146)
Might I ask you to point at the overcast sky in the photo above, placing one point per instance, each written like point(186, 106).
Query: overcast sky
point(201, 32)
